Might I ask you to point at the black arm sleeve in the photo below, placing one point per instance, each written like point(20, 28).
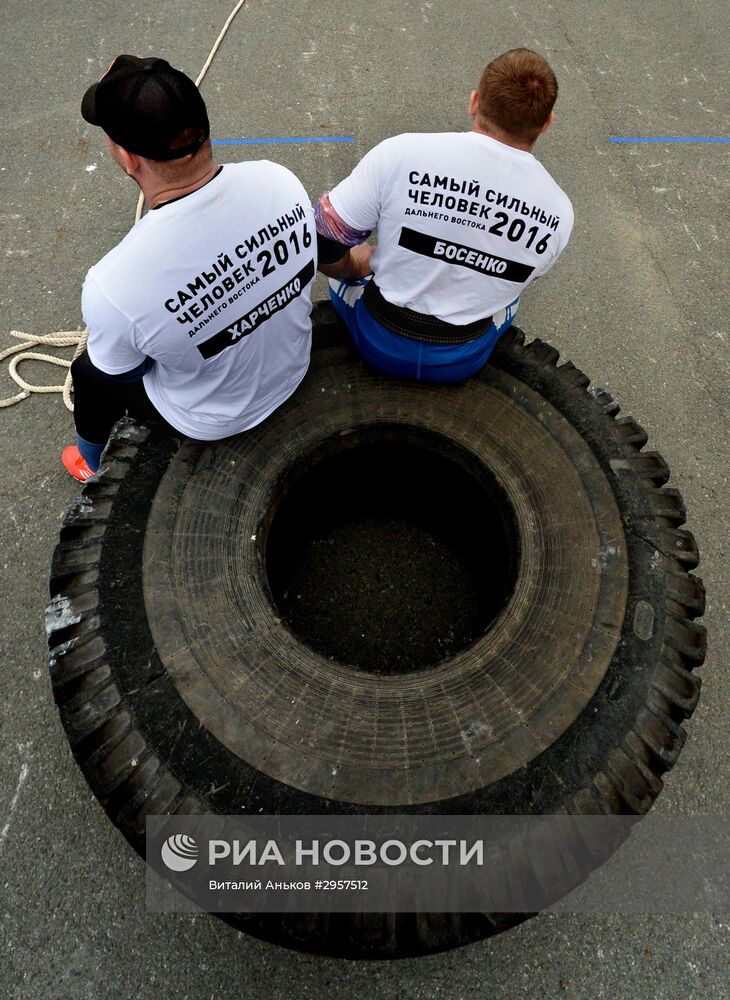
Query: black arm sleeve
point(329, 251)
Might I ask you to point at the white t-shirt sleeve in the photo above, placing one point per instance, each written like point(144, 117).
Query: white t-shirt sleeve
point(358, 198)
point(566, 228)
point(112, 344)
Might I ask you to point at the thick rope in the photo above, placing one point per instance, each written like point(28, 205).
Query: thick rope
point(20, 352)
point(74, 338)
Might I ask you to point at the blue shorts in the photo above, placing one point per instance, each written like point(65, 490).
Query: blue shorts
point(392, 354)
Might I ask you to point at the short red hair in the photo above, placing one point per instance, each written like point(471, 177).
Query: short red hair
point(517, 91)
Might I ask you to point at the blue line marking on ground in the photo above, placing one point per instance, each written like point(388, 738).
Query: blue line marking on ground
point(668, 138)
point(270, 140)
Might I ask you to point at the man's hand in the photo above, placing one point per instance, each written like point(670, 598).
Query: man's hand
point(355, 264)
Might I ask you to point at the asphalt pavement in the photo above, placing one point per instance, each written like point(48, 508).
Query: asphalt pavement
point(638, 302)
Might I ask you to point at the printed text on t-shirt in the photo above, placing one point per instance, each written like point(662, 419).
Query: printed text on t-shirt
point(464, 256)
point(442, 191)
point(206, 295)
point(252, 319)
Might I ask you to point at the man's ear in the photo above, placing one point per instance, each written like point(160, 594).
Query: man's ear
point(129, 162)
point(548, 123)
point(474, 104)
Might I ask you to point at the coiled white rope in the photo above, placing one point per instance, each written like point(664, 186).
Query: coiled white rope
point(74, 338)
point(70, 338)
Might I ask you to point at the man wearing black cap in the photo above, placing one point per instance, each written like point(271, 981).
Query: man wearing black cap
point(200, 316)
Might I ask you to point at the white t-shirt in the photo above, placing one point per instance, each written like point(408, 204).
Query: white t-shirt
point(216, 288)
point(464, 222)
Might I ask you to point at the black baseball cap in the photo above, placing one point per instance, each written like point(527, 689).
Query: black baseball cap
point(145, 106)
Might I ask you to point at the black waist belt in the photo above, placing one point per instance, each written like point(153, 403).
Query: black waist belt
point(418, 326)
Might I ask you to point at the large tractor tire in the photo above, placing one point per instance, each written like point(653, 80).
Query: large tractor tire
point(387, 598)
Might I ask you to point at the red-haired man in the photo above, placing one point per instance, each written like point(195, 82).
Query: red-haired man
point(465, 221)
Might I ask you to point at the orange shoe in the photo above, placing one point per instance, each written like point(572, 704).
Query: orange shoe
point(75, 463)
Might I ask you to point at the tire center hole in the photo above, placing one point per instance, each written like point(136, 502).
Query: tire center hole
point(390, 549)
